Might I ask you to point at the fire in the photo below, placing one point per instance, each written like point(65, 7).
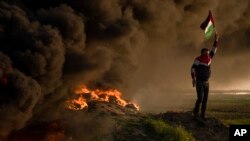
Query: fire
point(86, 95)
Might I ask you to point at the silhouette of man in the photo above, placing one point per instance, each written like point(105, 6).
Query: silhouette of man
point(200, 73)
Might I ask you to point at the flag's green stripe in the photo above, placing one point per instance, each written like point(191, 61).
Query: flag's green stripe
point(209, 32)
point(208, 25)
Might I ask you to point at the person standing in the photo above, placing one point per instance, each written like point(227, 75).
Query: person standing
point(200, 72)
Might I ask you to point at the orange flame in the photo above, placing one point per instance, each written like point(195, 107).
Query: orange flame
point(86, 95)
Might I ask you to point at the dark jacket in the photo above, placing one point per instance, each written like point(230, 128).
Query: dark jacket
point(201, 67)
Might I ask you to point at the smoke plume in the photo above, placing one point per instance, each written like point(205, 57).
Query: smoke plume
point(137, 46)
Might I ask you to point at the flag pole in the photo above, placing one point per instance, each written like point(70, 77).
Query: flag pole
point(215, 31)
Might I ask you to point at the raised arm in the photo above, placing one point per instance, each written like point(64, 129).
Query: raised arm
point(214, 48)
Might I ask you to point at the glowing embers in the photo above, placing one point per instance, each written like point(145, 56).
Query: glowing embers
point(84, 96)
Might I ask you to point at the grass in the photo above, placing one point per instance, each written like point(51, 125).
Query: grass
point(241, 121)
point(231, 109)
point(130, 130)
point(149, 129)
point(164, 132)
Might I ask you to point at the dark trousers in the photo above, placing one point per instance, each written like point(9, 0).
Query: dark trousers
point(202, 89)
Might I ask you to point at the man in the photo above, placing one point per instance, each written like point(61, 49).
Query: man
point(200, 73)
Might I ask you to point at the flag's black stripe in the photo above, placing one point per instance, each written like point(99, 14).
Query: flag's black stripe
point(204, 24)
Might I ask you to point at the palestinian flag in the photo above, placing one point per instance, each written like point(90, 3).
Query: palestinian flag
point(208, 25)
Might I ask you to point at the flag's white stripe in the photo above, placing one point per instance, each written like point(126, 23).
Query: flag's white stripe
point(208, 25)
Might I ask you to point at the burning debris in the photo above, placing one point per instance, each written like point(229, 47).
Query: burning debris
point(84, 96)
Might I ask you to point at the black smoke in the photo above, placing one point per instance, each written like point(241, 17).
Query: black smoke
point(48, 47)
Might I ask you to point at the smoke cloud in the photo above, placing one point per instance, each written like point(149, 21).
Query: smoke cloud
point(137, 46)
